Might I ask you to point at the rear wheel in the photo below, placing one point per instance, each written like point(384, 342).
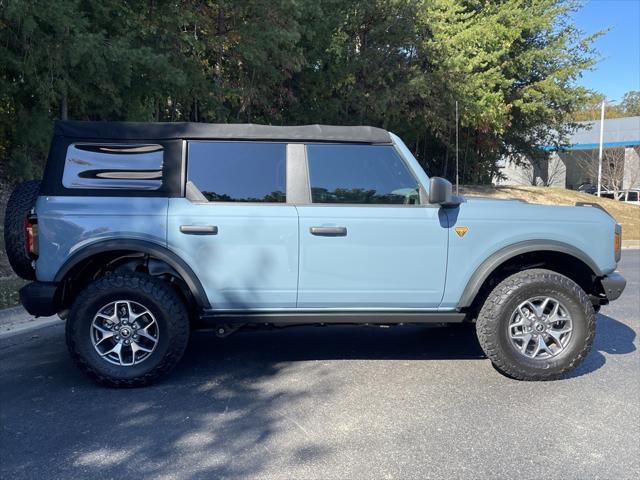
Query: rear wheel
point(22, 200)
point(127, 330)
point(536, 325)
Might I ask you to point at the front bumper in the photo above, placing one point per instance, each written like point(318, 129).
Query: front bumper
point(40, 299)
point(613, 285)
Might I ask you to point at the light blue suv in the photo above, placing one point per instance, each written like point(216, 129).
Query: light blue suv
point(140, 232)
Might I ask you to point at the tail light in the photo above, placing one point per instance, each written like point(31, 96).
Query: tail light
point(31, 236)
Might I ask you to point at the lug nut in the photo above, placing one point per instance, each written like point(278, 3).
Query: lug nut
point(135, 336)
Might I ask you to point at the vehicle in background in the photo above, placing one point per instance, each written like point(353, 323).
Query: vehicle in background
point(631, 196)
point(587, 188)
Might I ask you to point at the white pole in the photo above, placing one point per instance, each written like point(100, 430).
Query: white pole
point(600, 151)
point(457, 179)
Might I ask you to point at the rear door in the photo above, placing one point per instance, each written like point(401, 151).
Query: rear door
point(237, 231)
point(366, 241)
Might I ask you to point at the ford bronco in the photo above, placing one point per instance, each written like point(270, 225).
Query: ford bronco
point(140, 232)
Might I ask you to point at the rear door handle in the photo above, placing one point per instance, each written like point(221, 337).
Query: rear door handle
point(199, 229)
point(329, 231)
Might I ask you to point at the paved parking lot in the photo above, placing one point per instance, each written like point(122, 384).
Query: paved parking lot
point(339, 402)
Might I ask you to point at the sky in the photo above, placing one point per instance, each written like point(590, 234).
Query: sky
point(619, 68)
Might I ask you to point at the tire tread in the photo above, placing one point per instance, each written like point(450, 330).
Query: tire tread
point(20, 202)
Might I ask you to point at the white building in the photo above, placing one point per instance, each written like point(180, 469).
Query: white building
point(578, 164)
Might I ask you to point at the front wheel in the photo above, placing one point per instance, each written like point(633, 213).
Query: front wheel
point(536, 325)
point(127, 330)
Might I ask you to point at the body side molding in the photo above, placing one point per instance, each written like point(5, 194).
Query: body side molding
point(498, 258)
point(332, 317)
point(143, 246)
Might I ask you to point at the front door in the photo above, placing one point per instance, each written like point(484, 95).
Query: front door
point(366, 242)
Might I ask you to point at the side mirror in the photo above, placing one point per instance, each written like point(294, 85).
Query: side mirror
point(440, 191)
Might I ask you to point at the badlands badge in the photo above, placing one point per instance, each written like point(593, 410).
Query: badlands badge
point(461, 231)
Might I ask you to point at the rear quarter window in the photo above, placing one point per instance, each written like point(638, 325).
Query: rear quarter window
point(113, 167)
point(238, 171)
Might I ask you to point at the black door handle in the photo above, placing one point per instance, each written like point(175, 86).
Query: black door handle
point(329, 231)
point(199, 229)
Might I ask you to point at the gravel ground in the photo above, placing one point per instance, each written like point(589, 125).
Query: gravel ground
point(339, 402)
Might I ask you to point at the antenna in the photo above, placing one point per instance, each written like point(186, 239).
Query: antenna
point(457, 178)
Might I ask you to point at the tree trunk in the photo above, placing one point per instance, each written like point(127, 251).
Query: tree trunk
point(64, 107)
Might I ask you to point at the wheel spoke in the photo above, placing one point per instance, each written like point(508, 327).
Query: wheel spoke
point(525, 338)
point(519, 323)
point(557, 335)
point(541, 346)
point(102, 330)
point(137, 347)
point(113, 318)
point(523, 312)
point(105, 337)
point(543, 306)
point(117, 349)
point(143, 333)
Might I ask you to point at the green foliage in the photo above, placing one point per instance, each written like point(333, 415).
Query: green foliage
point(629, 106)
point(400, 64)
point(631, 103)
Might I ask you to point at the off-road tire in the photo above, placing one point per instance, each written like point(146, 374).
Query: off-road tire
point(492, 324)
point(157, 296)
point(21, 201)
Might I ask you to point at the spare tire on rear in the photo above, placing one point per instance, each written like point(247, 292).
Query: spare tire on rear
point(20, 203)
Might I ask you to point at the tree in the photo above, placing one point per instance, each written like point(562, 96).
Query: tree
point(631, 103)
point(614, 176)
point(399, 64)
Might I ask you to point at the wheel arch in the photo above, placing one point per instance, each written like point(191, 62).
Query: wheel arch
point(558, 256)
point(134, 246)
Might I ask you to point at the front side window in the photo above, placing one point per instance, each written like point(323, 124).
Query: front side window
point(360, 174)
point(238, 171)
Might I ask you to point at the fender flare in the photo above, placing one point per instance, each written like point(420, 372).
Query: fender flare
point(506, 253)
point(143, 246)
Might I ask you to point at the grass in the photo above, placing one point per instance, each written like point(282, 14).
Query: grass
point(626, 215)
point(9, 291)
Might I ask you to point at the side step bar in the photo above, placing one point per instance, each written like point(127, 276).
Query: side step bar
point(315, 317)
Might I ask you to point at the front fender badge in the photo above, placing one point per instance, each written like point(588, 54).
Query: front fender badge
point(461, 231)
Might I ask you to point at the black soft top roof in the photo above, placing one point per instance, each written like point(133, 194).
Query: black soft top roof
point(219, 131)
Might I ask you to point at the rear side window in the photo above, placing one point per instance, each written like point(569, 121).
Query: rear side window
point(360, 174)
point(113, 167)
point(238, 171)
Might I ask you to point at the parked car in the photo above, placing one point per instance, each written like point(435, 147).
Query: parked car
point(587, 188)
point(140, 232)
point(631, 196)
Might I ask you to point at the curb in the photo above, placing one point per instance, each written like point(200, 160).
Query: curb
point(630, 244)
point(16, 320)
point(10, 312)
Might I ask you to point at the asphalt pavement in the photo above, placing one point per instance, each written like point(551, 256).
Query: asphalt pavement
point(328, 403)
